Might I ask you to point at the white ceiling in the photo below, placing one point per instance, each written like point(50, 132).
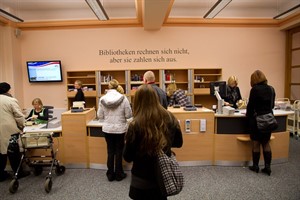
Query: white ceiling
point(62, 10)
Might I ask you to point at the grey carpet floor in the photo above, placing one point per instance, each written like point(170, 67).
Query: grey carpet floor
point(204, 182)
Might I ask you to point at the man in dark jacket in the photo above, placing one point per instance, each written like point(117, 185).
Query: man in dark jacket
point(149, 78)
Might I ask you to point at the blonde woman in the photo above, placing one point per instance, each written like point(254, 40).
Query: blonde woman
point(78, 87)
point(39, 114)
point(114, 109)
point(233, 92)
point(176, 96)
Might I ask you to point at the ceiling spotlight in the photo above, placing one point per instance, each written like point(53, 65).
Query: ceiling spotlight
point(219, 5)
point(287, 12)
point(98, 9)
point(9, 16)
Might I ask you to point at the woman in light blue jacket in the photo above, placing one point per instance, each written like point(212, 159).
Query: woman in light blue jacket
point(114, 108)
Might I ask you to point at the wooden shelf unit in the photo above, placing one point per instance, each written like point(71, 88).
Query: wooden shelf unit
point(106, 76)
point(195, 81)
point(178, 76)
point(88, 79)
point(201, 85)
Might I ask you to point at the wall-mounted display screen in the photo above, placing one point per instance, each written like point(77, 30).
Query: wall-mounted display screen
point(44, 71)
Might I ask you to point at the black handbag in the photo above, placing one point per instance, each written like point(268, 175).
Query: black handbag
point(267, 123)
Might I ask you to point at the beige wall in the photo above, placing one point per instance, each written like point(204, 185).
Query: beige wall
point(239, 51)
point(10, 62)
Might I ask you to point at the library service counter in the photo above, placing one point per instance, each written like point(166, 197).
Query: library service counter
point(232, 145)
point(198, 136)
point(208, 139)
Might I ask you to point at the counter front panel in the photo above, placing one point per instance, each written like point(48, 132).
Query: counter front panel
point(237, 125)
point(75, 139)
point(198, 144)
point(230, 150)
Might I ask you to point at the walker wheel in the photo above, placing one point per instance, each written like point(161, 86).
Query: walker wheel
point(59, 170)
point(13, 186)
point(38, 170)
point(48, 185)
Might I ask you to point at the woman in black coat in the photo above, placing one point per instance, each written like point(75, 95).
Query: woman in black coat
point(233, 92)
point(261, 101)
point(153, 128)
point(79, 94)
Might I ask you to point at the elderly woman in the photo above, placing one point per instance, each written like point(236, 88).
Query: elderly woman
point(12, 122)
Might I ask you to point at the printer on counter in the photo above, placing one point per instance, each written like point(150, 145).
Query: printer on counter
point(78, 106)
point(228, 110)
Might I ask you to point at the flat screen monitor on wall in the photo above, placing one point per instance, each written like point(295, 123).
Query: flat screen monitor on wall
point(219, 86)
point(44, 71)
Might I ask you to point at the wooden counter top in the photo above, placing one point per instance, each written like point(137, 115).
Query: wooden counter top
point(242, 113)
point(86, 110)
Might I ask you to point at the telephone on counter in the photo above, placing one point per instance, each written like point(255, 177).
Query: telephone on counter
point(190, 107)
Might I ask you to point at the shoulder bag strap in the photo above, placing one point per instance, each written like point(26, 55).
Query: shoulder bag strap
point(272, 97)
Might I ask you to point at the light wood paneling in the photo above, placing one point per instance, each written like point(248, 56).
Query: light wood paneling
point(228, 148)
point(280, 145)
point(196, 147)
point(194, 116)
point(75, 137)
point(97, 150)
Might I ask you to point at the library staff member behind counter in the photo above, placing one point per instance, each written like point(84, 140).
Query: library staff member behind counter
point(39, 114)
point(233, 94)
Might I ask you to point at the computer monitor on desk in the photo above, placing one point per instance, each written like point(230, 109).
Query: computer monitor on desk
point(218, 89)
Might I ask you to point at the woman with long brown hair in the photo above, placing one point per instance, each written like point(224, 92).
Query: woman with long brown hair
point(153, 128)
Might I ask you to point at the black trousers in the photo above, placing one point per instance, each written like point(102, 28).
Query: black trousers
point(115, 146)
point(3, 160)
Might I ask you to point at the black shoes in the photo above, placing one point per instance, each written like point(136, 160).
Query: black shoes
point(254, 168)
point(267, 171)
point(4, 176)
point(115, 176)
point(110, 176)
point(121, 176)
